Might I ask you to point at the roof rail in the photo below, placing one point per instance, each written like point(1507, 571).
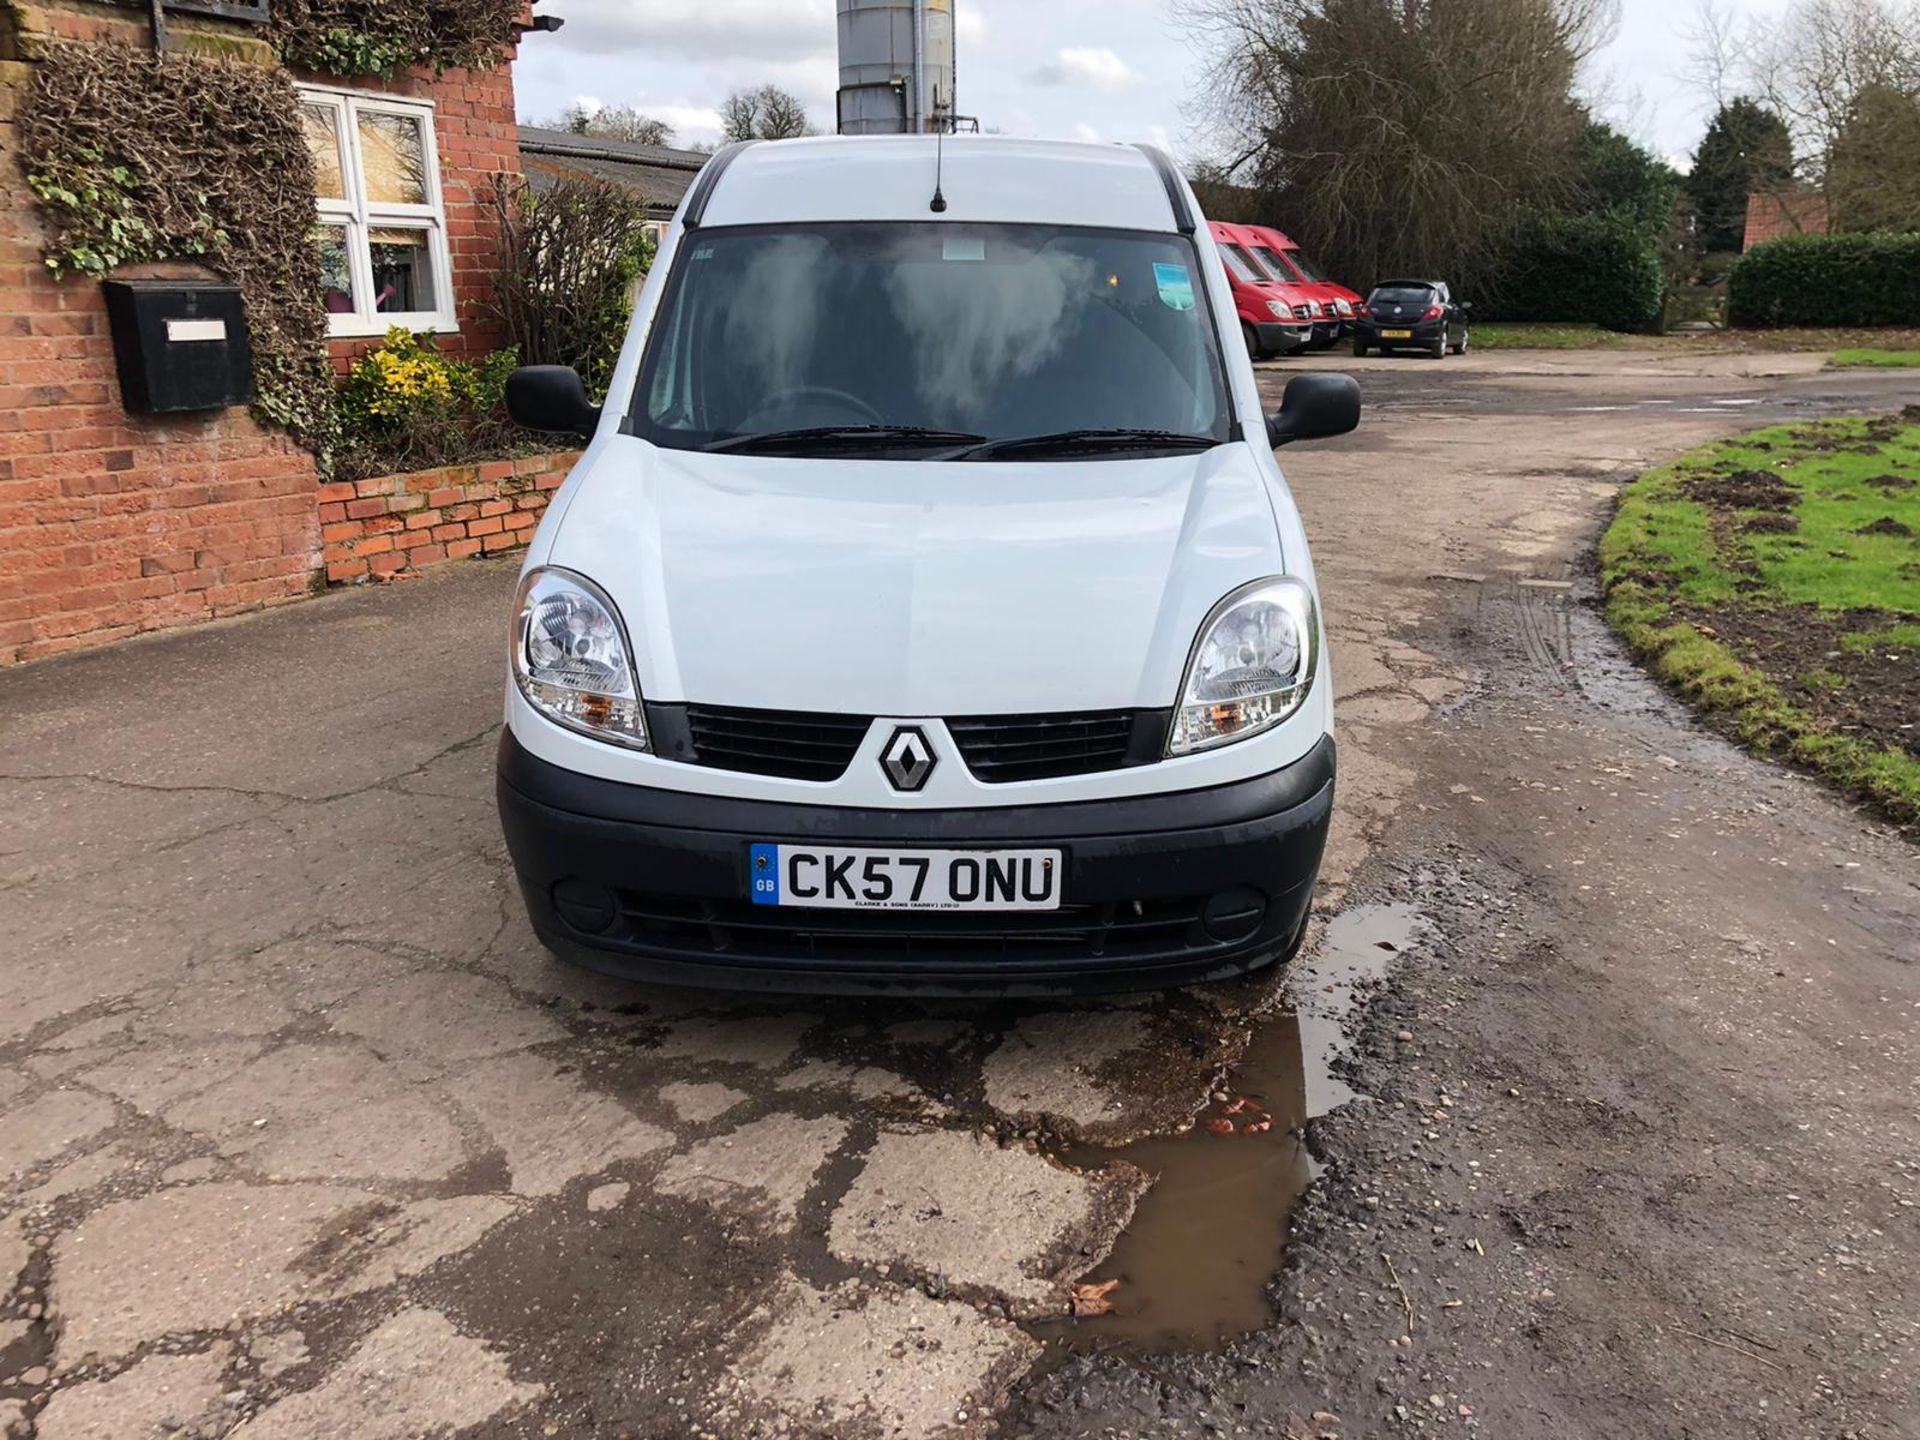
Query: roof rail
point(706, 180)
point(1184, 219)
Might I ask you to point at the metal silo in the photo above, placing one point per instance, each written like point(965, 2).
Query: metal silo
point(896, 66)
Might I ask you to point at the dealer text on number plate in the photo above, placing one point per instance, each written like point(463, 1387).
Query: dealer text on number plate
point(833, 878)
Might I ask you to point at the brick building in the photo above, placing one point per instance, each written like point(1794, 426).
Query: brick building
point(114, 523)
point(1774, 213)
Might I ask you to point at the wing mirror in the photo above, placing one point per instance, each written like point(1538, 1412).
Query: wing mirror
point(551, 397)
point(1313, 407)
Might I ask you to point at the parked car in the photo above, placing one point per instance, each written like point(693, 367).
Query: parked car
point(928, 611)
point(1335, 305)
point(1274, 318)
point(1412, 315)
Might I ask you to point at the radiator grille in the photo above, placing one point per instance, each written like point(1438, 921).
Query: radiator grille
point(793, 744)
point(999, 749)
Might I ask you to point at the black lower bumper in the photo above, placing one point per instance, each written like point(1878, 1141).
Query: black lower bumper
point(1158, 890)
point(1281, 337)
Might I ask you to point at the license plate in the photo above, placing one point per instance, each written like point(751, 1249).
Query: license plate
point(829, 877)
point(1396, 334)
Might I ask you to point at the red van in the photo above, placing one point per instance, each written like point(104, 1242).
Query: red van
point(1275, 318)
point(1335, 304)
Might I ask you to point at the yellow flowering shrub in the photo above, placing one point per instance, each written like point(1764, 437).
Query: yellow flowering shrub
point(407, 406)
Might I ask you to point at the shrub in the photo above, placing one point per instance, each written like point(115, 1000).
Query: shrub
point(569, 259)
point(379, 37)
point(405, 406)
point(1852, 280)
point(1602, 270)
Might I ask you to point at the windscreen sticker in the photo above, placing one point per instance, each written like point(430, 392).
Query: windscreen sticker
point(960, 248)
point(1175, 285)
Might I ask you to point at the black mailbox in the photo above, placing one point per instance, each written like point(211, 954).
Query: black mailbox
point(180, 344)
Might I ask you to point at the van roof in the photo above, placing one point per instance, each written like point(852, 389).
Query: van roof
point(983, 178)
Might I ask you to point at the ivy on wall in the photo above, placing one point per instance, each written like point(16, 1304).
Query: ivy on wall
point(136, 156)
point(381, 37)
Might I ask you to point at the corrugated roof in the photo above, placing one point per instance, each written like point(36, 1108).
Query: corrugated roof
point(658, 173)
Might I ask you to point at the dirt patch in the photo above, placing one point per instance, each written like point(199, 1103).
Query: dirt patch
point(1870, 693)
point(664, 1284)
point(1772, 522)
point(1886, 525)
point(1892, 483)
point(1742, 490)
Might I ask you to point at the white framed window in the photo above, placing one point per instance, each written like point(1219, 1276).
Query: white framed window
point(382, 223)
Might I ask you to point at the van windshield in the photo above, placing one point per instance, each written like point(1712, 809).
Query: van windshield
point(889, 338)
point(1243, 266)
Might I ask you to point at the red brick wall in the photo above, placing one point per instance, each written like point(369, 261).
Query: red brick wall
point(393, 524)
point(113, 524)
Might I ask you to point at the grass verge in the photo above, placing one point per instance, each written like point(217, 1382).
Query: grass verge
point(1773, 580)
point(1494, 336)
point(1889, 347)
point(1877, 358)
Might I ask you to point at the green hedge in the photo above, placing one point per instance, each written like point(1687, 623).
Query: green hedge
point(1583, 269)
point(1827, 280)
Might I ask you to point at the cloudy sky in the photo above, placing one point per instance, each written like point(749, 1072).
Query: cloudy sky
point(1099, 69)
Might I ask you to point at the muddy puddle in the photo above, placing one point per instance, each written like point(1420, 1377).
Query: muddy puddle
point(1192, 1269)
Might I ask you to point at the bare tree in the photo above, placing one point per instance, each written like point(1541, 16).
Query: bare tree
point(1395, 134)
point(1873, 170)
point(738, 114)
point(1816, 68)
point(768, 113)
point(1719, 51)
point(617, 122)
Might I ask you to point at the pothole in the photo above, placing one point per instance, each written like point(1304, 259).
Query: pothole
point(1194, 1264)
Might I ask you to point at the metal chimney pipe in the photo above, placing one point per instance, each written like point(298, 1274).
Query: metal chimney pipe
point(919, 116)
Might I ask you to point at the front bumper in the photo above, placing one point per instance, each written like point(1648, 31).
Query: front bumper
point(1159, 890)
point(1281, 337)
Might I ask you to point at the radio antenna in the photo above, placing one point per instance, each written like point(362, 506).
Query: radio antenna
point(939, 204)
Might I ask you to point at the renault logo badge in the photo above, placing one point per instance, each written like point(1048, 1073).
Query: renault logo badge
point(908, 759)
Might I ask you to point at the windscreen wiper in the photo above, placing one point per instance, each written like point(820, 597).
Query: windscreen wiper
point(858, 435)
point(1069, 442)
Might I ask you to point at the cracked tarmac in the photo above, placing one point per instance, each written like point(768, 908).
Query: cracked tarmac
point(302, 1134)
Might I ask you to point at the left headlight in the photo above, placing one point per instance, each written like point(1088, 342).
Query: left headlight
point(572, 661)
point(1251, 667)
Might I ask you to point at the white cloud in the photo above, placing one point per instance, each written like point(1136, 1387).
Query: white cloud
point(689, 122)
point(1100, 69)
point(1084, 131)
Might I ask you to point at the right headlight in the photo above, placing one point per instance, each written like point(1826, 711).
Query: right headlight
point(571, 658)
point(1280, 308)
point(1251, 667)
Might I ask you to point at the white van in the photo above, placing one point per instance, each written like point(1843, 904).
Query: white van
point(928, 612)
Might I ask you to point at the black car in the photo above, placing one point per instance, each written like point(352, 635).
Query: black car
point(1411, 315)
